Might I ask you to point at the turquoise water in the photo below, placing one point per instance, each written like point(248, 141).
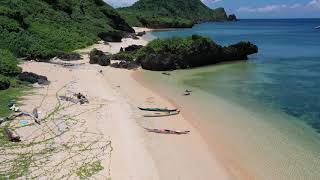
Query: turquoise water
point(284, 76)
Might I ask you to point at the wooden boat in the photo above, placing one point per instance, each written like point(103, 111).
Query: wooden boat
point(162, 114)
point(158, 109)
point(167, 131)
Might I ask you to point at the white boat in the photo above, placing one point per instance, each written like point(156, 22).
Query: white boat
point(318, 27)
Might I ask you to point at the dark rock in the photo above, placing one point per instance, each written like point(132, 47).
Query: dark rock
point(200, 52)
point(99, 57)
point(125, 65)
point(232, 17)
point(141, 33)
point(4, 83)
point(121, 49)
point(69, 56)
point(33, 78)
point(118, 22)
point(132, 48)
point(158, 62)
point(129, 35)
point(110, 36)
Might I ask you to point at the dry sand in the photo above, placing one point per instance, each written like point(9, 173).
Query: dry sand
point(112, 113)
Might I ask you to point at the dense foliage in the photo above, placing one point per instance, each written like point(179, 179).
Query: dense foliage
point(170, 13)
point(8, 64)
point(40, 28)
point(4, 82)
point(180, 53)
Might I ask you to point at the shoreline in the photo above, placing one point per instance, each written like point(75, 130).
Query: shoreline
point(135, 153)
point(239, 137)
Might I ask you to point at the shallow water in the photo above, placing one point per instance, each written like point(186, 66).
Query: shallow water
point(284, 75)
point(265, 112)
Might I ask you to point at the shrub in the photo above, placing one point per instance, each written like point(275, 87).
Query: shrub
point(38, 29)
point(4, 82)
point(8, 64)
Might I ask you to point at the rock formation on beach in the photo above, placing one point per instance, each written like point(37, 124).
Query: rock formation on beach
point(195, 51)
point(98, 57)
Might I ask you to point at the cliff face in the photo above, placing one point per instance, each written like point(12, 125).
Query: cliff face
point(40, 28)
point(170, 13)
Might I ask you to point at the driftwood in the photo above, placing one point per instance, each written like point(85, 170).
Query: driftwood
point(11, 135)
point(69, 99)
point(187, 94)
point(165, 73)
point(35, 113)
point(82, 98)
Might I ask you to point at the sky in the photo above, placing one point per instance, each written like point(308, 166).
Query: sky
point(254, 9)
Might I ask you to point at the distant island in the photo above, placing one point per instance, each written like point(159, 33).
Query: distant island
point(171, 13)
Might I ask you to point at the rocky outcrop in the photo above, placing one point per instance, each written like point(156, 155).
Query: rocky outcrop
point(69, 56)
point(98, 57)
point(197, 51)
point(119, 23)
point(232, 17)
point(132, 48)
point(33, 78)
point(141, 33)
point(110, 36)
point(125, 65)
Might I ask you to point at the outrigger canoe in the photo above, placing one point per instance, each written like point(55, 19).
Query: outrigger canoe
point(158, 109)
point(162, 114)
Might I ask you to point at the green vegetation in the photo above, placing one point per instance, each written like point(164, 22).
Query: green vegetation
point(13, 93)
point(8, 64)
point(41, 28)
point(88, 170)
point(8, 69)
point(175, 45)
point(127, 56)
point(170, 13)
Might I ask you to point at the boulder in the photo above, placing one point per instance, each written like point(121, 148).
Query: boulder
point(69, 56)
point(232, 17)
point(4, 83)
point(33, 78)
point(125, 65)
point(99, 57)
point(141, 33)
point(110, 36)
point(132, 48)
point(195, 51)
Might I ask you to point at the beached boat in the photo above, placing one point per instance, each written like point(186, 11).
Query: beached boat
point(162, 114)
point(158, 109)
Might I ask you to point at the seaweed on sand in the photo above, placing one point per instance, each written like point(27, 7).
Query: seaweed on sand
point(58, 148)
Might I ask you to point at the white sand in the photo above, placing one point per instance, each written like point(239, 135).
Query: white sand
point(137, 154)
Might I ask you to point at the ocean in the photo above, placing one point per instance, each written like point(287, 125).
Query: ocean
point(272, 101)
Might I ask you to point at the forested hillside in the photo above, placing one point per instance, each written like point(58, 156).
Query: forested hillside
point(170, 13)
point(41, 28)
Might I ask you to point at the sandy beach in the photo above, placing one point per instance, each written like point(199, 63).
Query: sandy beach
point(129, 151)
